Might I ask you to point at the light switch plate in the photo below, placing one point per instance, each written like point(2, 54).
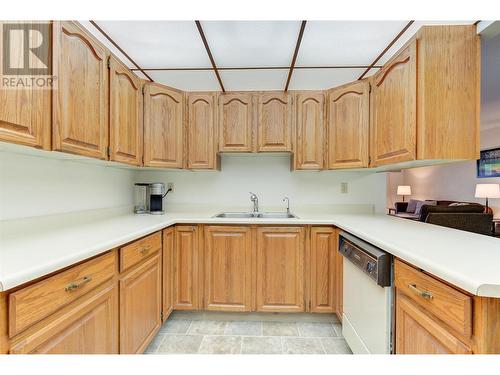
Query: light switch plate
point(343, 187)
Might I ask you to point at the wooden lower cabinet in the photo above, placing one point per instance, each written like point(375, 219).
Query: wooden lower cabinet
point(228, 268)
point(280, 269)
point(88, 326)
point(168, 271)
point(140, 305)
point(186, 273)
point(339, 278)
point(322, 265)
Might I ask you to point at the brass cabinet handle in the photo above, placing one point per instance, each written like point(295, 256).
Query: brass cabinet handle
point(75, 285)
point(421, 293)
point(145, 249)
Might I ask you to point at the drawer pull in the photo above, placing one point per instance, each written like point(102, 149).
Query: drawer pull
point(145, 249)
point(421, 293)
point(75, 285)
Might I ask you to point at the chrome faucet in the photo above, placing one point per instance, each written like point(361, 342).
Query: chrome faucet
point(287, 200)
point(255, 201)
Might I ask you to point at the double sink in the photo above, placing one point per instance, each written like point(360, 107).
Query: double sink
point(256, 215)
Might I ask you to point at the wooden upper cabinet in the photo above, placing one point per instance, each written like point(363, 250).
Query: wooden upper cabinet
point(394, 109)
point(163, 127)
point(274, 122)
point(323, 269)
point(228, 268)
point(201, 131)
point(125, 114)
point(348, 125)
point(236, 122)
point(80, 102)
point(25, 113)
point(186, 265)
point(310, 129)
point(280, 269)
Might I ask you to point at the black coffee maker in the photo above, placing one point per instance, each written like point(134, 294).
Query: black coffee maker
point(149, 198)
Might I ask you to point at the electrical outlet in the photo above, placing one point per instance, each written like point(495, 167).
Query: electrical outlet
point(170, 186)
point(343, 187)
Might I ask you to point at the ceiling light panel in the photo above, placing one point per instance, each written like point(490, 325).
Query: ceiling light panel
point(251, 43)
point(321, 79)
point(159, 44)
point(249, 80)
point(327, 43)
point(188, 80)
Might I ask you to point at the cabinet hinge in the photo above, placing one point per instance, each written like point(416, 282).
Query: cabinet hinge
point(369, 88)
point(108, 151)
point(109, 62)
point(161, 315)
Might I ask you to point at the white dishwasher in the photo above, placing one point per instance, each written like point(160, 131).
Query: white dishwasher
point(367, 319)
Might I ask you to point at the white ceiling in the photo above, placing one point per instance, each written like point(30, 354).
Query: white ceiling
point(235, 44)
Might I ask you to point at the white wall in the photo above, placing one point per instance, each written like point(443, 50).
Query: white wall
point(35, 186)
point(270, 178)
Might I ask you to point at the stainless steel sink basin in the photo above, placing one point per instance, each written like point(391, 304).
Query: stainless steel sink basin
point(257, 215)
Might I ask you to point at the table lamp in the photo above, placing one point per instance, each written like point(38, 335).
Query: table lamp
point(487, 191)
point(404, 190)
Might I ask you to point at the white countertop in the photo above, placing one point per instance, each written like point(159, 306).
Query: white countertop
point(31, 248)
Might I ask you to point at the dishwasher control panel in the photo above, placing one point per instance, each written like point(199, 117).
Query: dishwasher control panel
point(368, 258)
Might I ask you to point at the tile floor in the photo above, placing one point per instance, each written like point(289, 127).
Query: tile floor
point(255, 333)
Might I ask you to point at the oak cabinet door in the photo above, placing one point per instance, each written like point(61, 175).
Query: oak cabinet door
point(168, 271)
point(140, 305)
point(280, 269)
point(186, 278)
point(274, 122)
point(348, 125)
point(24, 113)
point(228, 268)
point(236, 120)
point(125, 108)
point(88, 326)
point(418, 333)
point(202, 152)
point(310, 128)
point(394, 108)
point(323, 269)
point(80, 103)
point(163, 127)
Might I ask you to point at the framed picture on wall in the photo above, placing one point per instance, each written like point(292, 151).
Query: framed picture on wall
point(488, 164)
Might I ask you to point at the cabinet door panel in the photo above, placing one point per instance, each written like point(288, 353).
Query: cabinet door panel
point(228, 268)
point(126, 126)
point(24, 113)
point(201, 131)
point(339, 278)
point(88, 326)
point(163, 127)
point(309, 142)
point(274, 116)
point(348, 125)
point(186, 279)
point(280, 269)
point(236, 122)
point(80, 107)
point(168, 271)
point(140, 306)
point(323, 269)
point(393, 109)
point(418, 333)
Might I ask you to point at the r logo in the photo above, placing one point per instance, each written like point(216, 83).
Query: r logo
point(26, 49)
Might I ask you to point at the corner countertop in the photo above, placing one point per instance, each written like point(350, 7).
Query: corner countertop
point(35, 247)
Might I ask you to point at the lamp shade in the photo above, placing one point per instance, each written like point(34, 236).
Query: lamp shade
point(404, 190)
point(487, 191)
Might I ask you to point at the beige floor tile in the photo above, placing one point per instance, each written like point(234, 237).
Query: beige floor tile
point(279, 329)
point(175, 326)
point(154, 345)
point(207, 327)
point(220, 345)
point(180, 344)
point(311, 329)
point(302, 345)
point(244, 328)
point(338, 329)
point(335, 346)
point(261, 345)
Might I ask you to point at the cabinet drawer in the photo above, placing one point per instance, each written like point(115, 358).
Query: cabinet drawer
point(449, 305)
point(33, 303)
point(135, 252)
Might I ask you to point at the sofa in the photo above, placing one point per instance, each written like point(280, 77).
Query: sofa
point(471, 217)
